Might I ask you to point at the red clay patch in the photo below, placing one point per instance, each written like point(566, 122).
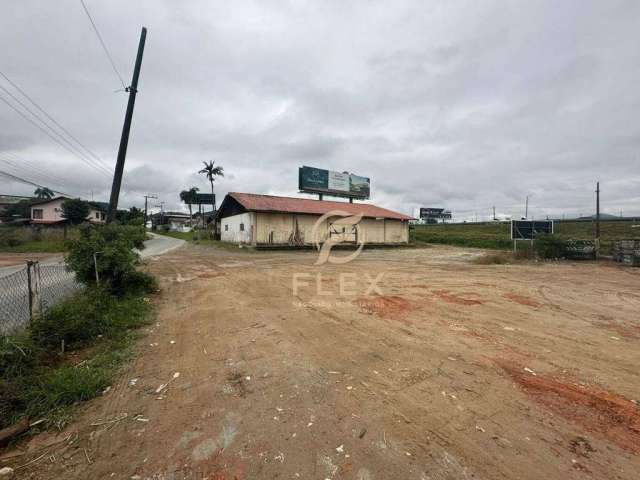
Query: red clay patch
point(598, 411)
point(522, 299)
point(385, 306)
point(456, 298)
point(622, 329)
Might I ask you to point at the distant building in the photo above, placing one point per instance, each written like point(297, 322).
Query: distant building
point(174, 221)
point(7, 201)
point(49, 212)
point(270, 220)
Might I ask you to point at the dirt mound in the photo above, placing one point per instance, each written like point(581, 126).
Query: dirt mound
point(598, 411)
point(457, 298)
point(385, 306)
point(522, 299)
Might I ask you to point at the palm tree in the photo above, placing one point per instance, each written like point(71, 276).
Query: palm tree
point(211, 172)
point(43, 193)
point(187, 196)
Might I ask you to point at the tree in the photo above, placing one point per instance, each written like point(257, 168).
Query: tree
point(211, 172)
point(188, 196)
point(75, 210)
point(133, 216)
point(22, 209)
point(43, 193)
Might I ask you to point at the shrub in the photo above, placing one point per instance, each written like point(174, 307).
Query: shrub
point(9, 238)
point(550, 247)
point(116, 259)
point(34, 379)
point(493, 259)
point(85, 316)
point(75, 320)
point(75, 210)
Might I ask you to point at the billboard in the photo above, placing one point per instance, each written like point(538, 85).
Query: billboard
point(435, 213)
point(202, 198)
point(341, 184)
point(530, 229)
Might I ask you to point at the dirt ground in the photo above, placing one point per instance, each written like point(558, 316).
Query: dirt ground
point(444, 369)
point(11, 259)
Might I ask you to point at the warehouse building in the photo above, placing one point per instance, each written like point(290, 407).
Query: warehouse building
point(263, 220)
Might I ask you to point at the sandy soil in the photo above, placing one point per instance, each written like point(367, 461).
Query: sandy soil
point(445, 370)
point(11, 259)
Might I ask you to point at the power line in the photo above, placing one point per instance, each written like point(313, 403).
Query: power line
point(69, 146)
point(95, 156)
point(35, 167)
point(40, 176)
point(28, 182)
point(100, 169)
point(104, 47)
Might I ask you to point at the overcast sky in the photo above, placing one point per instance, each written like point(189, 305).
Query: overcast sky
point(464, 105)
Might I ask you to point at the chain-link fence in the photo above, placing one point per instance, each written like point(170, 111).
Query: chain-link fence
point(31, 290)
point(14, 301)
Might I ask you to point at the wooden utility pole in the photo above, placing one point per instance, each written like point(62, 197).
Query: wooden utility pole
point(597, 218)
point(124, 139)
point(494, 214)
point(526, 207)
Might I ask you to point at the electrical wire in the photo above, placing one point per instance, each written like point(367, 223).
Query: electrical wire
point(28, 182)
point(38, 167)
point(104, 47)
point(69, 146)
point(35, 174)
point(102, 170)
point(33, 102)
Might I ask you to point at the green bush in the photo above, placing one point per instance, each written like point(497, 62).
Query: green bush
point(113, 246)
point(87, 315)
point(75, 210)
point(35, 379)
point(550, 247)
point(9, 238)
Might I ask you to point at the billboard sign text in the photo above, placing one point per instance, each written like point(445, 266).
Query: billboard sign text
point(342, 184)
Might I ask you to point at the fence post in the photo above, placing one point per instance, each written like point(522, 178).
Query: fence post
point(30, 289)
point(33, 286)
point(95, 266)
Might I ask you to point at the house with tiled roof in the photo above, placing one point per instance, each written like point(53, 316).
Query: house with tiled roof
point(49, 212)
point(259, 220)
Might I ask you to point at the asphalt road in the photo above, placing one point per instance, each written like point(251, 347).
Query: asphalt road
point(159, 245)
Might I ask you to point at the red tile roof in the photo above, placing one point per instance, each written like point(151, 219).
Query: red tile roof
point(269, 203)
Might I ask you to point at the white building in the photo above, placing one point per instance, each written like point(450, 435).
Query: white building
point(269, 220)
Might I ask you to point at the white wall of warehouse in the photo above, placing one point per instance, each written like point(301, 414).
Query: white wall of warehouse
point(231, 228)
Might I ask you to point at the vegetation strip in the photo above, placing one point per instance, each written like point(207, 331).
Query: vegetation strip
point(73, 351)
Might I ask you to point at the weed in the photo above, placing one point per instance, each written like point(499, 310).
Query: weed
point(36, 381)
point(494, 259)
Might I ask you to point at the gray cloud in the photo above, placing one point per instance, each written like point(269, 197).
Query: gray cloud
point(460, 104)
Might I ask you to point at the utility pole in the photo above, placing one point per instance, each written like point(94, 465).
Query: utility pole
point(494, 214)
point(161, 207)
point(597, 218)
point(124, 139)
point(146, 199)
point(526, 207)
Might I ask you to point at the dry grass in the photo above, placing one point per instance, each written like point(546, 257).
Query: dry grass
point(498, 258)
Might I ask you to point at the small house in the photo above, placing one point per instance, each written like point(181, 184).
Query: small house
point(49, 212)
